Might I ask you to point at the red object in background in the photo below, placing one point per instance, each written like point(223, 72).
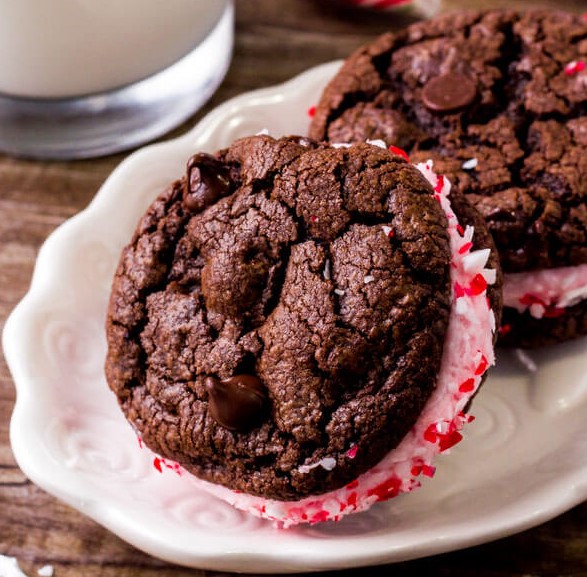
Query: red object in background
point(418, 7)
point(380, 4)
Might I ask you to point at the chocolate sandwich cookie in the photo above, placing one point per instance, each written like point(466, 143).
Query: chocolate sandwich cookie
point(289, 314)
point(498, 100)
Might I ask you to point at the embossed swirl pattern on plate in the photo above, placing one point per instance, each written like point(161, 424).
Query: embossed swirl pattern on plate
point(496, 422)
point(194, 507)
point(97, 261)
point(75, 346)
point(98, 444)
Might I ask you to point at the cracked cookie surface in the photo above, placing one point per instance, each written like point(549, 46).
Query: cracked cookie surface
point(512, 135)
point(283, 304)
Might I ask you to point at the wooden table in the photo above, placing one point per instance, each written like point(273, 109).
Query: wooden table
point(275, 39)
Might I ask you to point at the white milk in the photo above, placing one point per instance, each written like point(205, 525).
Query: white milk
point(63, 48)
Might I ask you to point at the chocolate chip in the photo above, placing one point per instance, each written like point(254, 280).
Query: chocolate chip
point(207, 181)
point(449, 92)
point(237, 403)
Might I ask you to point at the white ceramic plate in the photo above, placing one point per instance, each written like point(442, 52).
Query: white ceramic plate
point(523, 461)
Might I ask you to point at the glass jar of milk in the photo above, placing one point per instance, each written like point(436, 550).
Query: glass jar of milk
point(81, 78)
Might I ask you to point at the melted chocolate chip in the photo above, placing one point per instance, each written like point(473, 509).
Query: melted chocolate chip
point(449, 92)
point(237, 403)
point(207, 181)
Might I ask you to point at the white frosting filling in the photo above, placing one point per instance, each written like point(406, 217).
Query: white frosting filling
point(545, 292)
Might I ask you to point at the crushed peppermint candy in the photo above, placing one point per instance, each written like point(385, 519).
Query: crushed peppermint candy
point(470, 164)
point(369, 278)
point(574, 67)
point(160, 464)
point(45, 571)
point(326, 273)
point(352, 452)
point(264, 132)
point(339, 292)
point(312, 111)
point(388, 231)
point(546, 293)
point(399, 152)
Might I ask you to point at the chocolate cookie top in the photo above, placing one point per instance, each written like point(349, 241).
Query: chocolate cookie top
point(499, 100)
point(277, 322)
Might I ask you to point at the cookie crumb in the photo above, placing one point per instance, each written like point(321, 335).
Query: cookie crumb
point(470, 164)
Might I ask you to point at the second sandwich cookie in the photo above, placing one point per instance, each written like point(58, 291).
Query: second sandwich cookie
point(499, 100)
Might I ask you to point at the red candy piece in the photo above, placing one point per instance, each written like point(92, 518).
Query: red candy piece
point(449, 440)
point(550, 311)
point(439, 184)
point(478, 284)
point(386, 490)
point(553, 312)
point(574, 67)
point(459, 290)
point(530, 299)
point(482, 366)
point(467, 386)
point(352, 500)
point(465, 247)
point(320, 517)
point(312, 111)
point(505, 329)
point(399, 152)
point(431, 433)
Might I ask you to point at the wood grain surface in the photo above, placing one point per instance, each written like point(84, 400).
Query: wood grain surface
point(275, 39)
